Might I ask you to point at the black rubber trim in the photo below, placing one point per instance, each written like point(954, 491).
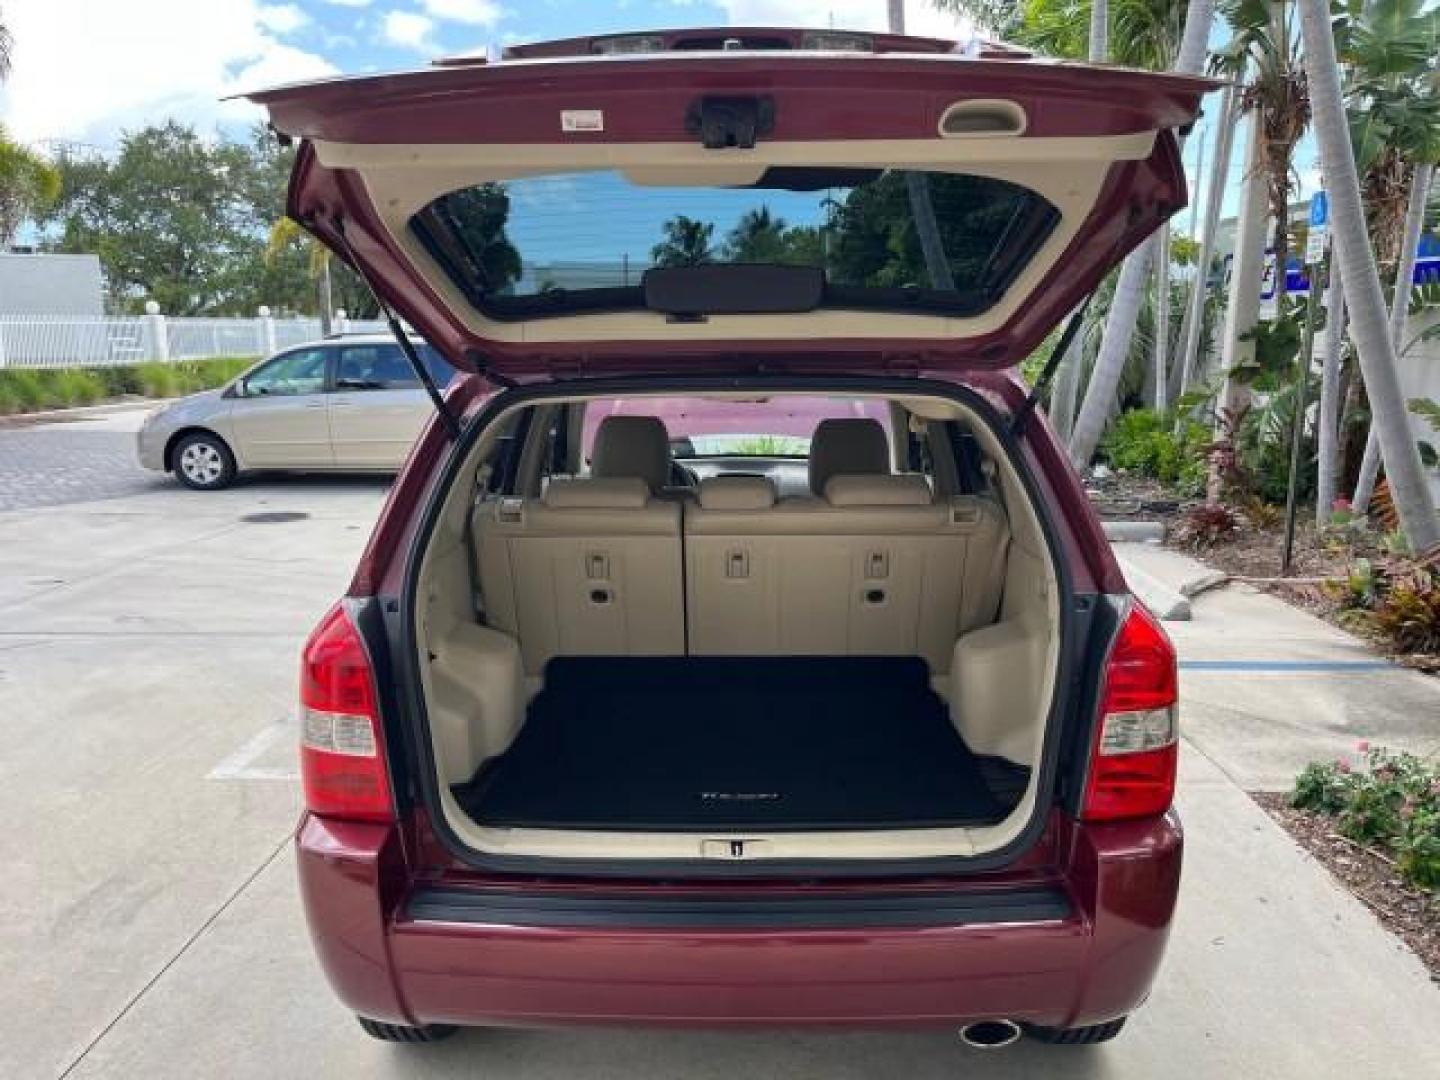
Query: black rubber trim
point(1076, 613)
point(516, 909)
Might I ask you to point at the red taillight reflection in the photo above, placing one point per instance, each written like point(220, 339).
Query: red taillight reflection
point(342, 752)
point(1134, 756)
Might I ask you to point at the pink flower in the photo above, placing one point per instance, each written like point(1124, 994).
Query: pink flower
point(1341, 504)
point(1341, 765)
point(1363, 746)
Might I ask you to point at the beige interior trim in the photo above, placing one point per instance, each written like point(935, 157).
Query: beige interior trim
point(1029, 612)
point(1068, 171)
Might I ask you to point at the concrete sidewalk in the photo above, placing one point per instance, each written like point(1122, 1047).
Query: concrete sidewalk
point(1268, 687)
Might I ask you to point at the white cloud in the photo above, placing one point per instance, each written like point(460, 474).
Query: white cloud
point(349, 3)
point(409, 30)
point(281, 18)
point(474, 12)
point(141, 62)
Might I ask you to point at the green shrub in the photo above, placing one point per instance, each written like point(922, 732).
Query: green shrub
point(1148, 442)
point(1394, 803)
point(25, 389)
point(36, 389)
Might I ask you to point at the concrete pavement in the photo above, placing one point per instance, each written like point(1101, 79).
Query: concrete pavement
point(148, 919)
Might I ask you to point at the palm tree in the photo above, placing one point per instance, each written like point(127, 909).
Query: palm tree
point(758, 237)
point(917, 188)
point(1327, 440)
point(686, 243)
point(1192, 327)
point(1423, 173)
point(1130, 289)
point(1394, 106)
point(1067, 383)
point(1369, 324)
point(29, 185)
point(287, 232)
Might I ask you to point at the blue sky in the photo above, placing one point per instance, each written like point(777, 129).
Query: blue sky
point(86, 70)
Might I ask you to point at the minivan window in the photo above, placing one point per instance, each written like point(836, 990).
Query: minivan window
point(556, 244)
point(299, 372)
point(384, 367)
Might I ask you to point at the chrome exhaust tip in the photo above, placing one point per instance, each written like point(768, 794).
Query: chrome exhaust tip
point(990, 1034)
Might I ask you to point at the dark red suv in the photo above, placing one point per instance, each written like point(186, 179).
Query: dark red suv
point(737, 646)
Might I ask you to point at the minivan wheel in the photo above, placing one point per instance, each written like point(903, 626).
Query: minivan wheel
point(1080, 1036)
point(203, 462)
point(403, 1033)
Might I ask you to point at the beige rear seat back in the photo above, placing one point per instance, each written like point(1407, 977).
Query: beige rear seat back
point(878, 567)
point(591, 568)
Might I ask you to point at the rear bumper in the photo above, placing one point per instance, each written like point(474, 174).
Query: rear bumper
point(397, 954)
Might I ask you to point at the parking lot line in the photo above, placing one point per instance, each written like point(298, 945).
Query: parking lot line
point(241, 764)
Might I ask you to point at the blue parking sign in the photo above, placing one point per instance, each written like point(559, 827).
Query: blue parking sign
point(1319, 210)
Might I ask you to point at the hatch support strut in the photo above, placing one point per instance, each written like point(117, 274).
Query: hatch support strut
point(1047, 373)
point(427, 380)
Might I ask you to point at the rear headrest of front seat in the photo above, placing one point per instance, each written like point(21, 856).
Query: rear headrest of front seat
point(632, 446)
point(855, 489)
point(737, 493)
point(847, 445)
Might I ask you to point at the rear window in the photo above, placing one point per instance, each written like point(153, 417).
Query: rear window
point(560, 244)
point(382, 366)
point(713, 427)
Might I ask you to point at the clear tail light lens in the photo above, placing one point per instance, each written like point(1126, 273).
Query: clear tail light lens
point(1135, 755)
point(342, 750)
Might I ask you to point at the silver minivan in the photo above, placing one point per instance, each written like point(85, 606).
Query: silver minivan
point(344, 404)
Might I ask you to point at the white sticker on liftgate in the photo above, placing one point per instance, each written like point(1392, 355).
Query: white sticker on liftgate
point(582, 119)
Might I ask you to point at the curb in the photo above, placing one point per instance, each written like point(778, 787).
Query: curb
point(1166, 604)
point(79, 412)
point(1134, 532)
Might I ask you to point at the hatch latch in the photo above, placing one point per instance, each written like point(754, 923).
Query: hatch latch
point(730, 123)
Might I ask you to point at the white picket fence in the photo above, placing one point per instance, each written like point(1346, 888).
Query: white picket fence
point(44, 341)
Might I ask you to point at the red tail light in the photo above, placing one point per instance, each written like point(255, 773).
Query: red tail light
point(1133, 761)
point(342, 749)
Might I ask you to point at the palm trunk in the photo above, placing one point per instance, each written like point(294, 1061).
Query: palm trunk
point(1247, 271)
point(917, 186)
point(326, 297)
point(1327, 451)
point(1099, 31)
point(1195, 309)
point(1067, 389)
point(1130, 288)
point(1067, 381)
point(1399, 315)
point(1370, 328)
point(1114, 349)
point(1162, 319)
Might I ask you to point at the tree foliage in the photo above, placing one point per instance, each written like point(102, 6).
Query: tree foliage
point(29, 186)
point(686, 243)
point(185, 221)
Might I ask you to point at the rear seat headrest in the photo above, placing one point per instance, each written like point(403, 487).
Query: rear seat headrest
point(737, 493)
point(851, 489)
point(847, 445)
point(603, 493)
point(632, 446)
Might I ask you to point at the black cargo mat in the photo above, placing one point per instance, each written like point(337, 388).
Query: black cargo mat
point(735, 743)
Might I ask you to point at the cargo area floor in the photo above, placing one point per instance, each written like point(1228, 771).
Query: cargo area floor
point(739, 743)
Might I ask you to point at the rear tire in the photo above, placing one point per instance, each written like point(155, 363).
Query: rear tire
point(402, 1033)
point(1080, 1036)
point(202, 462)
